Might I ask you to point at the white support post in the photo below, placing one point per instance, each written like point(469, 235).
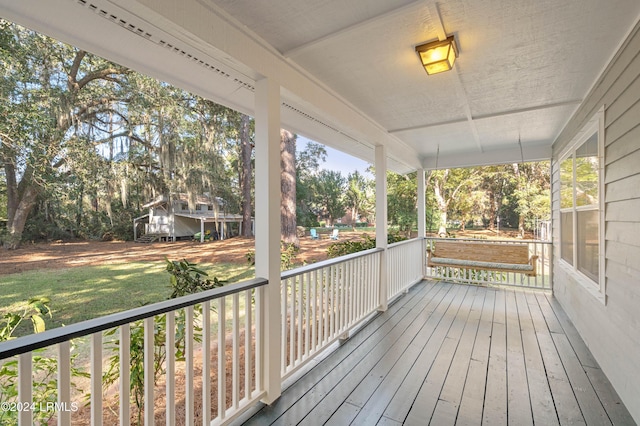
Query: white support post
point(422, 216)
point(201, 231)
point(267, 229)
point(381, 221)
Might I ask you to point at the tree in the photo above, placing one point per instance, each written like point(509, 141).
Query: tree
point(447, 185)
point(307, 169)
point(329, 189)
point(49, 91)
point(359, 195)
point(246, 168)
point(402, 198)
point(530, 196)
point(288, 188)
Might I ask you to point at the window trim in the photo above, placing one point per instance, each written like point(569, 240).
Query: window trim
point(595, 125)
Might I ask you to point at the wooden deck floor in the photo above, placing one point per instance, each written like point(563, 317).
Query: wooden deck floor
point(454, 354)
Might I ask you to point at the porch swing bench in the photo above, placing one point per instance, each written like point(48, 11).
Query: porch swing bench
point(481, 255)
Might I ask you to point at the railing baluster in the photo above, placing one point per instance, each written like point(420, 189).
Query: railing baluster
point(235, 359)
point(285, 315)
point(222, 359)
point(325, 310)
point(96, 379)
point(64, 381)
point(292, 322)
point(25, 388)
point(189, 370)
point(247, 344)
point(206, 362)
point(308, 319)
point(149, 379)
point(314, 313)
point(340, 297)
point(170, 369)
point(124, 351)
point(298, 282)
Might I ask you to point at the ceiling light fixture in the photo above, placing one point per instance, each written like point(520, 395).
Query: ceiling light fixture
point(438, 56)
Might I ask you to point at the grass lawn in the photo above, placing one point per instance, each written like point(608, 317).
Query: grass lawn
point(87, 292)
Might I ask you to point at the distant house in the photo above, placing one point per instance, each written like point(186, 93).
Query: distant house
point(170, 218)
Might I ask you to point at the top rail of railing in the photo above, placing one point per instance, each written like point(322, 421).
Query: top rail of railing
point(57, 335)
point(481, 240)
point(403, 242)
point(325, 263)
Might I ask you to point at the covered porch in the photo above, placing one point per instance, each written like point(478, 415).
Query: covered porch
point(532, 82)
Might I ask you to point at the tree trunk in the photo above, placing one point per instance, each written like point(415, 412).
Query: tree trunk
point(492, 210)
point(288, 188)
point(21, 198)
point(438, 190)
point(20, 210)
point(245, 175)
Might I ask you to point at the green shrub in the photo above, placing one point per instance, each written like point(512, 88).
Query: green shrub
point(343, 248)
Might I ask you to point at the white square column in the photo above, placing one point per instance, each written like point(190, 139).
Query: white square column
point(381, 221)
point(422, 216)
point(267, 229)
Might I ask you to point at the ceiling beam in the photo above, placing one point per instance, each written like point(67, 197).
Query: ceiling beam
point(343, 31)
point(508, 155)
point(492, 115)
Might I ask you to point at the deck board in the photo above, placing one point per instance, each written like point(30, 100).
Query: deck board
point(454, 354)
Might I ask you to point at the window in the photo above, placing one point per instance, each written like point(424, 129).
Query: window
point(581, 212)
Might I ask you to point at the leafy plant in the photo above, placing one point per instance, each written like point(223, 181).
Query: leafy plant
point(35, 310)
point(251, 257)
point(136, 359)
point(288, 254)
point(45, 370)
point(186, 278)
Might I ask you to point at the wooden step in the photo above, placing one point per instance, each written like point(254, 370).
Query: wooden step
point(147, 239)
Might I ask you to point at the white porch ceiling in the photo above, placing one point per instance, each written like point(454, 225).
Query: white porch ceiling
point(350, 76)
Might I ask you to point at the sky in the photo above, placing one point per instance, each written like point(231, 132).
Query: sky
point(337, 160)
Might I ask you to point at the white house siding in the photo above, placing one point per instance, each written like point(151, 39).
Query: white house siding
point(611, 330)
point(159, 221)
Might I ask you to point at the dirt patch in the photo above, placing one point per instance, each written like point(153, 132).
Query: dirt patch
point(60, 255)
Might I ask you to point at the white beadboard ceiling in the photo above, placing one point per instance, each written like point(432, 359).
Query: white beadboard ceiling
point(350, 76)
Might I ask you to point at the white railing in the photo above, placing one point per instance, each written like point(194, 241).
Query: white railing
point(405, 265)
point(322, 302)
point(206, 349)
point(542, 280)
point(202, 347)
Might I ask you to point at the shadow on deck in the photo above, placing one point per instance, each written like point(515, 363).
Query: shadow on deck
point(456, 354)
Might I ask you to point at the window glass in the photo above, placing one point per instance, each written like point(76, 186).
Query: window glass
point(566, 237)
point(587, 172)
point(580, 208)
point(566, 183)
point(588, 243)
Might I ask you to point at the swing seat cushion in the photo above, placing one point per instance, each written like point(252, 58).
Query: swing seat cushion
point(486, 256)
